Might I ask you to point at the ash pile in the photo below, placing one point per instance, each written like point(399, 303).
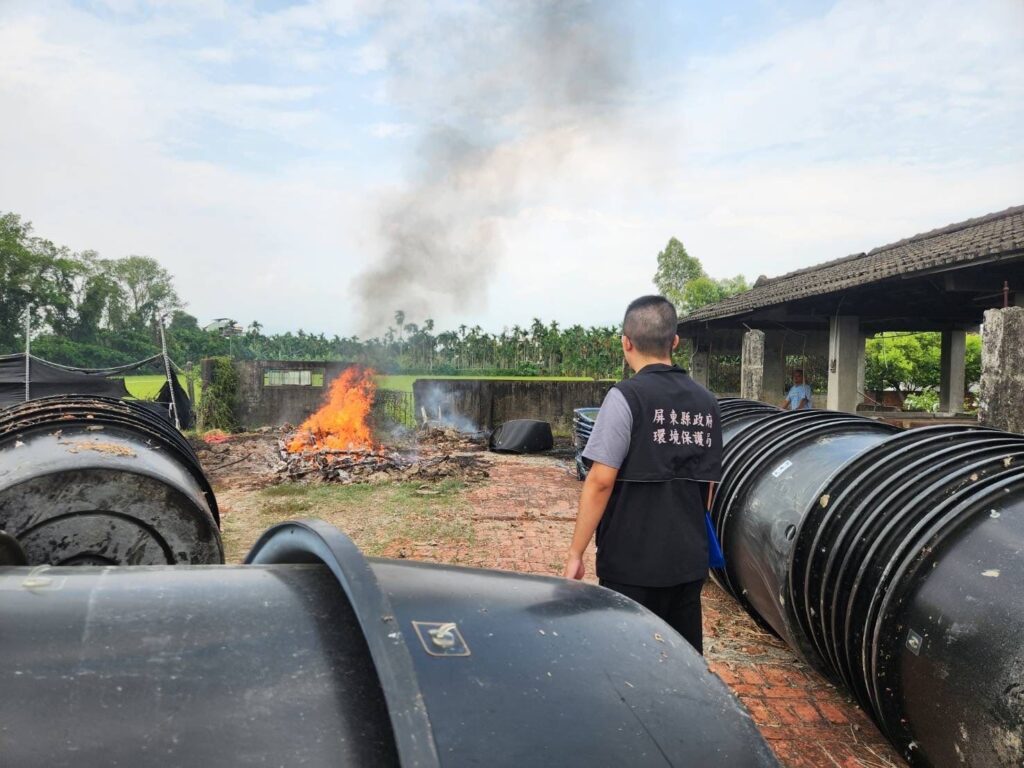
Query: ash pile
point(377, 465)
point(438, 436)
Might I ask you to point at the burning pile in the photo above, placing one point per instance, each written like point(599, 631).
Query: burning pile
point(337, 444)
point(342, 424)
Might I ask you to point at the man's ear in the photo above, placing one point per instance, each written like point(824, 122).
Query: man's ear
point(627, 345)
point(675, 342)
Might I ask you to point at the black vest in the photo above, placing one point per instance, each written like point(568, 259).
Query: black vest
point(652, 533)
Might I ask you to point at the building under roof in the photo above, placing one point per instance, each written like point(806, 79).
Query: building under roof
point(942, 280)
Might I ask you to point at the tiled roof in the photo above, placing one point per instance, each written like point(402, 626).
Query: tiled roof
point(991, 236)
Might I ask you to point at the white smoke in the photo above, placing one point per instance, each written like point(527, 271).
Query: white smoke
point(505, 90)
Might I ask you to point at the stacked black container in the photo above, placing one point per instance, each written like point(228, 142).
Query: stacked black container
point(891, 561)
point(583, 420)
point(99, 481)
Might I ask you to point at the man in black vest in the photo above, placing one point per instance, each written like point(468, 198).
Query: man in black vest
point(655, 447)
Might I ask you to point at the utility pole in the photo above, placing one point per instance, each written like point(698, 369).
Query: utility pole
point(28, 350)
point(167, 370)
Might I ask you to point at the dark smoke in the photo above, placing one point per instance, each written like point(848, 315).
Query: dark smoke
point(505, 90)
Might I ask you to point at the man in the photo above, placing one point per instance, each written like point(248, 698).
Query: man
point(799, 396)
point(655, 447)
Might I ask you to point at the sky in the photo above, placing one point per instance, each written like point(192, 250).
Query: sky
point(321, 164)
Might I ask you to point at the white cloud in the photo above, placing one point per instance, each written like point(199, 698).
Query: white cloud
point(881, 79)
point(392, 130)
point(867, 124)
point(95, 168)
point(215, 55)
point(369, 58)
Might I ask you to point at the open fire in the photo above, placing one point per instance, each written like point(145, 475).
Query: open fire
point(337, 443)
point(343, 423)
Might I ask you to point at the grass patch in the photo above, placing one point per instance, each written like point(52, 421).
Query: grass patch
point(288, 489)
point(374, 516)
point(284, 509)
point(147, 387)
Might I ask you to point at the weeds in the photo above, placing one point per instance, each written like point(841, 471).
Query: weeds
point(375, 516)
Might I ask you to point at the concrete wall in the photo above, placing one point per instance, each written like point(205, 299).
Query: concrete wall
point(483, 404)
point(1001, 401)
point(259, 406)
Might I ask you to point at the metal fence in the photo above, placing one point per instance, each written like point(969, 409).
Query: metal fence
point(724, 374)
point(394, 406)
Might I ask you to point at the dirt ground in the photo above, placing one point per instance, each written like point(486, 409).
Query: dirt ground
point(520, 518)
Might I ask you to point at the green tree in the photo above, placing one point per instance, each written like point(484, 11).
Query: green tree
point(33, 272)
point(676, 268)
point(912, 362)
point(682, 280)
point(98, 290)
point(400, 322)
point(182, 321)
point(147, 291)
point(706, 290)
point(972, 367)
point(903, 362)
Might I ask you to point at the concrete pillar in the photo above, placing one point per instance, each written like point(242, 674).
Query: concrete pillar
point(1001, 403)
point(774, 388)
point(845, 351)
point(952, 371)
point(752, 365)
point(700, 363)
point(862, 368)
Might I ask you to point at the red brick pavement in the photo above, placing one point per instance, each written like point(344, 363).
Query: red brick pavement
point(523, 520)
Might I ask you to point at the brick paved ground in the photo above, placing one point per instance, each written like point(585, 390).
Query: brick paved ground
point(523, 519)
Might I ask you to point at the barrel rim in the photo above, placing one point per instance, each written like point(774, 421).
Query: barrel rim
point(839, 529)
point(867, 527)
point(863, 612)
point(929, 540)
point(51, 412)
point(763, 451)
point(805, 572)
point(305, 541)
point(738, 454)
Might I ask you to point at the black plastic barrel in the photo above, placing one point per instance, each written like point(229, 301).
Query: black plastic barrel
point(891, 561)
point(98, 481)
point(909, 581)
point(312, 655)
point(770, 470)
point(736, 414)
point(583, 420)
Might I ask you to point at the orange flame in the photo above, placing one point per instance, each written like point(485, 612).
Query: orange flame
point(342, 423)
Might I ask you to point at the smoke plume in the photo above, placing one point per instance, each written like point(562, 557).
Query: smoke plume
point(505, 92)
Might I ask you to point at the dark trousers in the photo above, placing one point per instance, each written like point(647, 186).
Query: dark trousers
point(678, 606)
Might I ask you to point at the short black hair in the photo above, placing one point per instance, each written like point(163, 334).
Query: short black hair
point(651, 324)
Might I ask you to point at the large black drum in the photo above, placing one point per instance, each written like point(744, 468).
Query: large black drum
point(98, 481)
point(312, 655)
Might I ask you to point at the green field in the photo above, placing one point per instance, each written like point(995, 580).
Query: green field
point(147, 387)
point(404, 383)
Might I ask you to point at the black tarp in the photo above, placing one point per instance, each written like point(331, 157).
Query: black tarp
point(522, 436)
point(46, 379)
point(181, 401)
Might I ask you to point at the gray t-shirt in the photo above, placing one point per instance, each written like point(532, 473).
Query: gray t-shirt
point(609, 441)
